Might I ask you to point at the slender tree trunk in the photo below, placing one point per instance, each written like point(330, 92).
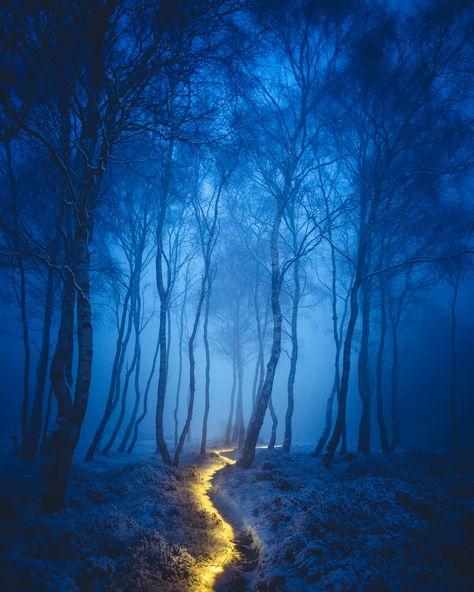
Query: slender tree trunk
point(138, 352)
point(192, 369)
point(26, 360)
point(163, 282)
point(328, 419)
point(452, 387)
point(239, 427)
point(256, 377)
point(274, 418)
point(161, 445)
point(363, 373)
point(145, 399)
point(230, 419)
point(258, 415)
point(337, 333)
point(383, 331)
point(125, 328)
point(394, 402)
point(339, 426)
point(343, 449)
point(180, 365)
point(259, 365)
point(135, 313)
point(47, 418)
point(293, 358)
point(59, 382)
point(208, 370)
point(36, 417)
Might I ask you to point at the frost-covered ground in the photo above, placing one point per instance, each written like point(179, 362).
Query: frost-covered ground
point(372, 523)
point(131, 524)
point(398, 522)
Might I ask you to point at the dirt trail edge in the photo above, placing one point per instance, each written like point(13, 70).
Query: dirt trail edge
point(238, 573)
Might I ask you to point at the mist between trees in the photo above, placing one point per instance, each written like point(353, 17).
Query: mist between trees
point(201, 184)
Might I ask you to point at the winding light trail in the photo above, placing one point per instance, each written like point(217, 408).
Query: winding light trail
point(226, 538)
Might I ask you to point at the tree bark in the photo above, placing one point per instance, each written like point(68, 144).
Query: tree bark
point(208, 370)
point(339, 425)
point(161, 445)
point(47, 418)
point(394, 403)
point(239, 427)
point(26, 360)
point(36, 417)
point(452, 387)
point(145, 400)
point(138, 355)
point(337, 336)
point(163, 284)
point(180, 364)
point(294, 356)
point(62, 442)
point(113, 397)
point(363, 377)
point(135, 310)
point(379, 388)
point(256, 420)
point(192, 370)
point(228, 431)
point(274, 418)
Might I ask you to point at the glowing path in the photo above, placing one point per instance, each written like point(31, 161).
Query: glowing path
point(227, 552)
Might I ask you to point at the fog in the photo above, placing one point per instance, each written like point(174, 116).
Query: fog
point(236, 235)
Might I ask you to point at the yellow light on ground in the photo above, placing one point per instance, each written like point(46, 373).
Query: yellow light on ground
point(227, 550)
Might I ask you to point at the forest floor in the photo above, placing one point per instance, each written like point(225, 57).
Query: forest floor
point(131, 524)
point(371, 523)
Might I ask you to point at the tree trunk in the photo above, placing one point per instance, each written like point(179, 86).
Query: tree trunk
point(337, 335)
point(259, 368)
point(163, 281)
point(145, 399)
point(293, 358)
point(26, 360)
point(61, 444)
point(394, 402)
point(161, 445)
point(256, 378)
point(328, 419)
point(125, 328)
point(239, 427)
point(274, 418)
point(258, 415)
point(192, 372)
point(208, 370)
point(180, 366)
point(343, 449)
point(379, 395)
point(47, 418)
point(230, 419)
point(138, 355)
point(339, 425)
point(36, 417)
point(135, 306)
point(363, 378)
point(452, 387)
